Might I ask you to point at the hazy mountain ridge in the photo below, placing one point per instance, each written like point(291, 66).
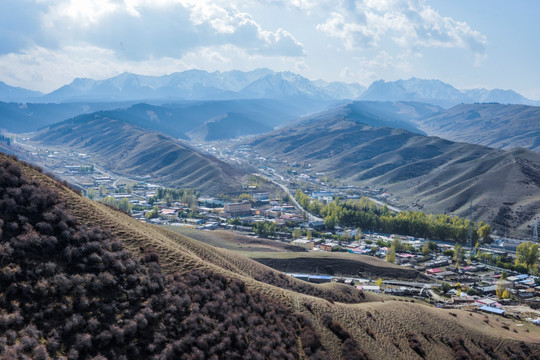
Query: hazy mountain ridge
point(495, 125)
point(124, 148)
point(438, 93)
point(257, 84)
point(198, 85)
point(18, 94)
point(28, 117)
point(213, 119)
point(427, 173)
point(399, 115)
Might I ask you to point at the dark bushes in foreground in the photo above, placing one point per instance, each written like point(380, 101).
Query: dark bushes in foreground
point(67, 291)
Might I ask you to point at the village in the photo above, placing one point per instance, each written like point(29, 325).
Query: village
point(465, 281)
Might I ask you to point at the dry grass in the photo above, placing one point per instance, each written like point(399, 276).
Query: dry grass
point(381, 327)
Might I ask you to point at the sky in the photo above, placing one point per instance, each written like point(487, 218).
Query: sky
point(45, 44)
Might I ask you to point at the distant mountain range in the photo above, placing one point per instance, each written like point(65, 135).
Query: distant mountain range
point(16, 94)
point(494, 125)
point(427, 173)
point(127, 149)
point(438, 93)
point(256, 84)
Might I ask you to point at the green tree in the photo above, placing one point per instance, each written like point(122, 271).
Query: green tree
point(154, 213)
point(309, 236)
point(484, 231)
point(297, 233)
point(500, 287)
point(91, 193)
point(527, 256)
point(358, 234)
point(244, 196)
point(397, 244)
point(379, 282)
point(124, 205)
point(330, 221)
point(391, 255)
point(445, 287)
point(458, 254)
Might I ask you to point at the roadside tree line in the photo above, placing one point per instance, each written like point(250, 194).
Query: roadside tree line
point(366, 214)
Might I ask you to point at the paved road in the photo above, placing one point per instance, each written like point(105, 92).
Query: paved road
point(310, 216)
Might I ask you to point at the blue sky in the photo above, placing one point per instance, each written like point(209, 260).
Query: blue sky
point(480, 43)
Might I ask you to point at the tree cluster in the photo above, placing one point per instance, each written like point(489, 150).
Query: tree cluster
point(366, 214)
point(67, 291)
point(186, 196)
point(122, 204)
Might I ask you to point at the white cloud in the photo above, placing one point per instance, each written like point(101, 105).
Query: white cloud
point(143, 29)
point(407, 23)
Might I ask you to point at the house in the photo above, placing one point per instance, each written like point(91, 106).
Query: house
point(488, 302)
point(238, 209)
point(306, 244)
point(433, 271)
point(319, 279)
point(329, 246)
point(315, 225)
point(487, 289)
point(372, 288)
point(492, 310)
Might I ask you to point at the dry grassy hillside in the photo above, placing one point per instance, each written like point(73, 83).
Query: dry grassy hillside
point(503, 126)
point(127, 149)
point(380, 326)
point(425, 173)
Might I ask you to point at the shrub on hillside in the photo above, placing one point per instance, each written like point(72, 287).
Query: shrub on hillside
point(67, 291)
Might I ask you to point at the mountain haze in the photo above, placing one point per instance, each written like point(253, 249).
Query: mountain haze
point(438, 93)
point(199, 85)
point(256, 84)
point(11, 93)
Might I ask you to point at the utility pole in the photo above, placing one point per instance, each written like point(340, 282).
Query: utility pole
point(535, 230)
point(470, 229)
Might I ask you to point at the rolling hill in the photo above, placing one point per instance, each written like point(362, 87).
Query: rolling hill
point(427, 173)
point(127, 149)
point(29, 117)
point(495, 125)
point(215, 120)
point(399, 115)
point(118, 287)
point(202, 120)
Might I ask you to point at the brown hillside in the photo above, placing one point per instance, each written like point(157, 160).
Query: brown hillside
point(502, 126)
point(382, 328)
point(127, 149)
point(426, 173)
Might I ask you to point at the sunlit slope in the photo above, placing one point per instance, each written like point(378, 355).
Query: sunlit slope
point(424, 173)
